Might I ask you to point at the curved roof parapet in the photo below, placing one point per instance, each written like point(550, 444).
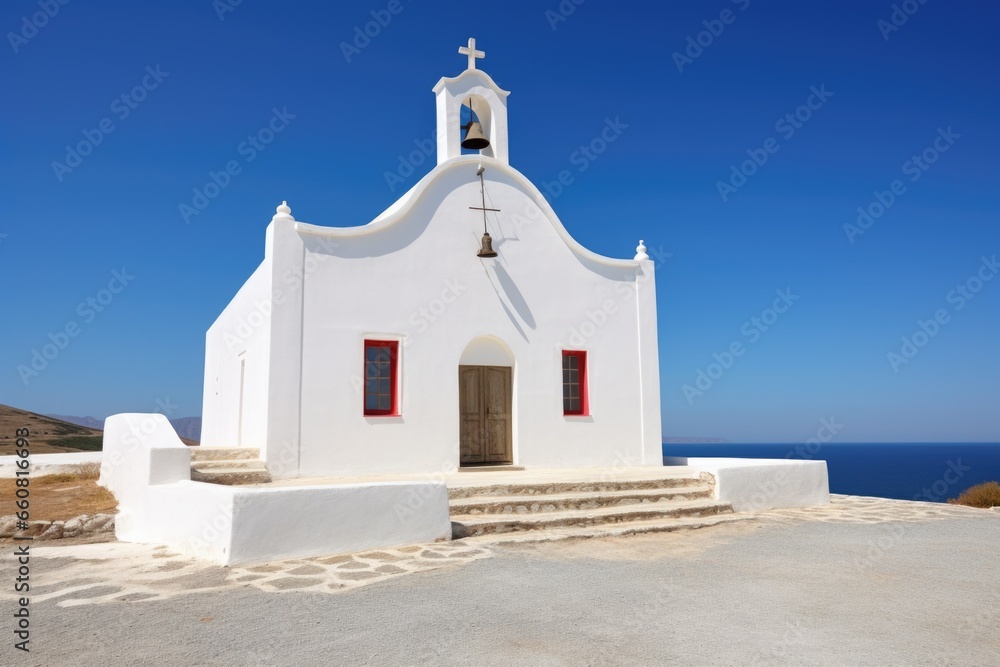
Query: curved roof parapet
point(402, 207)
point(470, 73)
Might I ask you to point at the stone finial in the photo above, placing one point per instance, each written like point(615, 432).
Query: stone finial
point(640, 251)
point(283, 212)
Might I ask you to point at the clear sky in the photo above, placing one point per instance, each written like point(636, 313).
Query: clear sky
point(199, 78)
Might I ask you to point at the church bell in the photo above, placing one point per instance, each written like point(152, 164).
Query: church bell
point(486, 249)
point(474, 138)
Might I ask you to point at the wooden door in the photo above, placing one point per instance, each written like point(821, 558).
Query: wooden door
point(485, 405)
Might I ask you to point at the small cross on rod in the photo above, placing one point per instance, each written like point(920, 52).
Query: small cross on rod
point(482, 191)
point(470, 51)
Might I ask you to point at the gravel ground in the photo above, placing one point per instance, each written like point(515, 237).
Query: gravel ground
point(774, 591)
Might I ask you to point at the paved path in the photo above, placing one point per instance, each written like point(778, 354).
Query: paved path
point(863, 582)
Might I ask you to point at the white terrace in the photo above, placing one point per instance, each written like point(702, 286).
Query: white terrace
point(218, 503)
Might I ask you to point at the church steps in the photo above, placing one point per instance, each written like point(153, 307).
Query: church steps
point(228, 465)
point(231, 476)
point(528, 504)
point(608, 530)
point(223, 453)
point(589, 486)
point(239, 464)
point(483, 524)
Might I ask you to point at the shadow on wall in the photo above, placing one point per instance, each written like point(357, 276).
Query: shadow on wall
point(514, 295)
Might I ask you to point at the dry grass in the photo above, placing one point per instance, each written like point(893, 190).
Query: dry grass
point(89, 470)
point(61, 497)
point(984, 495)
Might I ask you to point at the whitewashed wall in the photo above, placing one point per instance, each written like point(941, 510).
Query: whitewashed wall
point(414, 275)
point(241, 332)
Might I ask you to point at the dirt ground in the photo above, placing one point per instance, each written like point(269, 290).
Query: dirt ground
point(59, 497)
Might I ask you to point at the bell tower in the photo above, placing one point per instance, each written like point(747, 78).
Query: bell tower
point(485, 131)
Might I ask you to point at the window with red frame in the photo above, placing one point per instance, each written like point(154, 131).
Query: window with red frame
point(380, 377)
point(574, 369)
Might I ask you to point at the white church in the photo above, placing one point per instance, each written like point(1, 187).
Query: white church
point(458, 367)
point(463, 326)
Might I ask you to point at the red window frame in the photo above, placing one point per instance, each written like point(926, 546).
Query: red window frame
point(377, 371)
point(582, 401)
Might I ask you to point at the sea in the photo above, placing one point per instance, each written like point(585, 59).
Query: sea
point(931, 472)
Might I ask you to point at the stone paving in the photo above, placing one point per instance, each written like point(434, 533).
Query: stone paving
point(864, 509)
point(116, 572)
point(119, 572)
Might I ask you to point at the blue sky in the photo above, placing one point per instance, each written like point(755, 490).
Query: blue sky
point(868, 98)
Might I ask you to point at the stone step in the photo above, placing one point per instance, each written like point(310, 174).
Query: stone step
point(590, 486)
point(574, 501)
point(491, 468)
point(607, 530)
point(483, 524)
point(223, 453)
point(231, 476)
point(239, 464)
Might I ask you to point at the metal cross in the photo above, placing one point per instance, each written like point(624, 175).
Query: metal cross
point(482, 191)
point(470, 51)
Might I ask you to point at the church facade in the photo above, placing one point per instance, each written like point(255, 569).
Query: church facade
point(462, 327)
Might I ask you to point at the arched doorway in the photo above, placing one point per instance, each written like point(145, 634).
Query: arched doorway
point(486, 403)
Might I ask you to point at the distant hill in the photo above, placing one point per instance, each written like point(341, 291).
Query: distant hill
point(695, 441)
point(48, 435)
point(86, 422)
point(188, 428)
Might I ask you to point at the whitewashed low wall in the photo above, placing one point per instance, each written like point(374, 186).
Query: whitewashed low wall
point(317, 520)
point(759, 484)
point(50, 464)
point(159, 504)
